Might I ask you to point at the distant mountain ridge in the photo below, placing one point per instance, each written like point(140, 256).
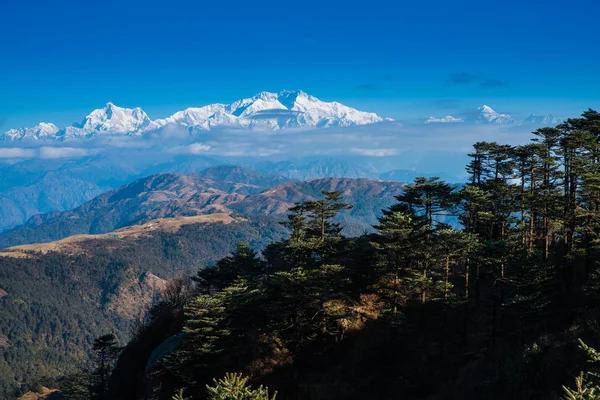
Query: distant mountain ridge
point(263, 111)
point(266, 110)
point(236, 191)
point(487, 115)
point(42, 186)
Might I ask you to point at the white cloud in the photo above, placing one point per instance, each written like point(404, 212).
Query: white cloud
point(446, 119)
point(231, 153)
point(267, 152)
point(16, 152)
point(197, 148)
point(375, 152)
point(63, 152)
point(194, 148)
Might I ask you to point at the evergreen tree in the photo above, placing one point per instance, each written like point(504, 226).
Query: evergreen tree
point(243, 262)
point(107, 351)
point(234, 387)
point(587, 385)
point(204, 331)
point(179, 395)
point(322, 211)
point(401, 239)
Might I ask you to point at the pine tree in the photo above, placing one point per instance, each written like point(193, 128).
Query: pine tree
point(322, 211)
point(428, 198)
point(204, 331)
point(587, 385)
point(243, 262)
point(400, 238)
point(297, 221)
point(315, 239)
point(78, 386)
point(234, 387)
point(107, 351)
point(546, 194)
point(179, 395)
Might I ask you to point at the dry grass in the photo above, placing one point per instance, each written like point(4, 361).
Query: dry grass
point(75, 244)
point(45, 393)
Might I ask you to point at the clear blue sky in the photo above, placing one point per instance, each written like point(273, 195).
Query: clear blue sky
point(401, 59)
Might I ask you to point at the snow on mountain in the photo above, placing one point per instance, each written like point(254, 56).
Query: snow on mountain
point(40, 131)
point(110, 120)
point(489, 116)
point(486, 115)
point(446, 119)
point(193, 117)
point(273, 111)
point(547, 119)
point(286, 109)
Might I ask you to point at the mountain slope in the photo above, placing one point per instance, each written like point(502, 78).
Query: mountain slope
point(158, 196)
point(236, 174)
point(233, 190)
point(53, 305)
point(80, 244)
point(315, 169)
point(50, 193)
point(368, 198)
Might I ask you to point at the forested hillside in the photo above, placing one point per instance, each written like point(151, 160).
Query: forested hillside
point(416, 310)
point(53, 305)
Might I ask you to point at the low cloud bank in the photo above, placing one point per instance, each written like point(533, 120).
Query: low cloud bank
point(391, 144)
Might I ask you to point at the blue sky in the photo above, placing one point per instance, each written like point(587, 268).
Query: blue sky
point(400, 59)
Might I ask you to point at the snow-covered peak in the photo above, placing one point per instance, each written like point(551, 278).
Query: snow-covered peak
point(442, 120)
point(488, 115)
point(265, 110)
point(42, 130)
point(111, 120)
point(547, 119)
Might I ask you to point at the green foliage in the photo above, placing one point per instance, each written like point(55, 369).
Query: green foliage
point(233, 387)
point(417, 309)
point(77, 386)
point(587, 385)
point(204, 333)
point(244, 263)
point(179, 395)
point(107, 351)
point(57, 304)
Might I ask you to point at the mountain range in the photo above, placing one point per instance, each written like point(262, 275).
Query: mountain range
point(224, 189)
point(487, 115)
point(264, 111)
point(272, 111)
point(41, 186)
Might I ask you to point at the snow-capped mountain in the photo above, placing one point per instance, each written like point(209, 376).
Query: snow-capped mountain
point(442, 120)
point(286, 109)
point(547, 119)
point(489, 116)
point(40, 131)
point(110, 120)
point(273, 111)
